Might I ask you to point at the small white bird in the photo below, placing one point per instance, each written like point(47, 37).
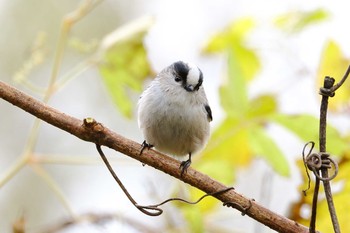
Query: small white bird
point(173, 112)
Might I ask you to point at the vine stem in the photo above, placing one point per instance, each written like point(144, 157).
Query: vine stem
point(328, 84)
point(328, 90)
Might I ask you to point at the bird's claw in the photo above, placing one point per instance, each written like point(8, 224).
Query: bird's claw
point(184, 166)
point(145, 145)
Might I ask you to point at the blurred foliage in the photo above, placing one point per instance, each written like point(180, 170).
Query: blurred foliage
point(242, 135)
point(242, 131)
point(295, 21)
point(233, 39)
point(124, 68)
point(306, 128)
point(38, 54)
point(83, 46)
point(19, 225)
point(333, 63)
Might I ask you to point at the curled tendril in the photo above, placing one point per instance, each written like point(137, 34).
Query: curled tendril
point(243, 210)
point(313, 161)
point(326, 92)
point(156, 206)
point(153, 210)
point(305, 164)
point(316, 161)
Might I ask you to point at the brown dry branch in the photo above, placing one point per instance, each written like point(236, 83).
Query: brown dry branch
point(99, 134)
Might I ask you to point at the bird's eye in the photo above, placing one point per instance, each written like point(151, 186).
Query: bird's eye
point(177, 79)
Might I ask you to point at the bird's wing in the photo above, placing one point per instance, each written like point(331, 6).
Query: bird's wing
point(209, 114)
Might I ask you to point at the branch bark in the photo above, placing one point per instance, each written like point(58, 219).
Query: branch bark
point(98, 134)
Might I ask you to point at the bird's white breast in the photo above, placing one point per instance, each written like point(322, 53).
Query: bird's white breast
point(173, 120)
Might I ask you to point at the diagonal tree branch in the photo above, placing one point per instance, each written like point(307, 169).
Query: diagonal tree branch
point(91, 131)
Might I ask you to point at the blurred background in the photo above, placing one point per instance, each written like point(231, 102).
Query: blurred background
point(263, 62)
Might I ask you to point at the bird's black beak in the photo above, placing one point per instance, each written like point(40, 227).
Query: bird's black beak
point(189, 88)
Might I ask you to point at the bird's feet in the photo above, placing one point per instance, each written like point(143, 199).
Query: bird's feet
point(185, 164)
point(145, 145)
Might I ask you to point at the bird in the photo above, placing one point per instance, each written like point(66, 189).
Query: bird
point(174, 114)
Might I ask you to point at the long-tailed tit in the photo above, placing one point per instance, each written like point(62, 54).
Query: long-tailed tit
point(173, 112)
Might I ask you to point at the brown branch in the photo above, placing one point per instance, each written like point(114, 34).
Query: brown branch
point(101, 135)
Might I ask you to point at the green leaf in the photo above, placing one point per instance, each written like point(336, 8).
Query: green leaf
point(262, 106)
point(295, 21)
point(243, 64)
point(219, 169)
point(263, 146)
point(234, 34)
point(233, 40)
point(194, 218)
point(125, 66)
point(306, 127)
point(229, 141)
point(233, 93)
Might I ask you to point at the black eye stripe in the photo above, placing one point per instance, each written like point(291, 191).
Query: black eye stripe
point(200, 81)
point(181, 70)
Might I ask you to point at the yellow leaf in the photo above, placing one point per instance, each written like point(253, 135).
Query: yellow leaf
point(229, 141)
point(194, 218)
point(306, 127)
point(262, 106)
point(230, 36)
point(334, 64)
point(233, 40)
point(295, 21)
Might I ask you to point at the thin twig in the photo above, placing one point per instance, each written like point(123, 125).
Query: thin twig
point(143, 209)
point(312, 228)
point(336, 86)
